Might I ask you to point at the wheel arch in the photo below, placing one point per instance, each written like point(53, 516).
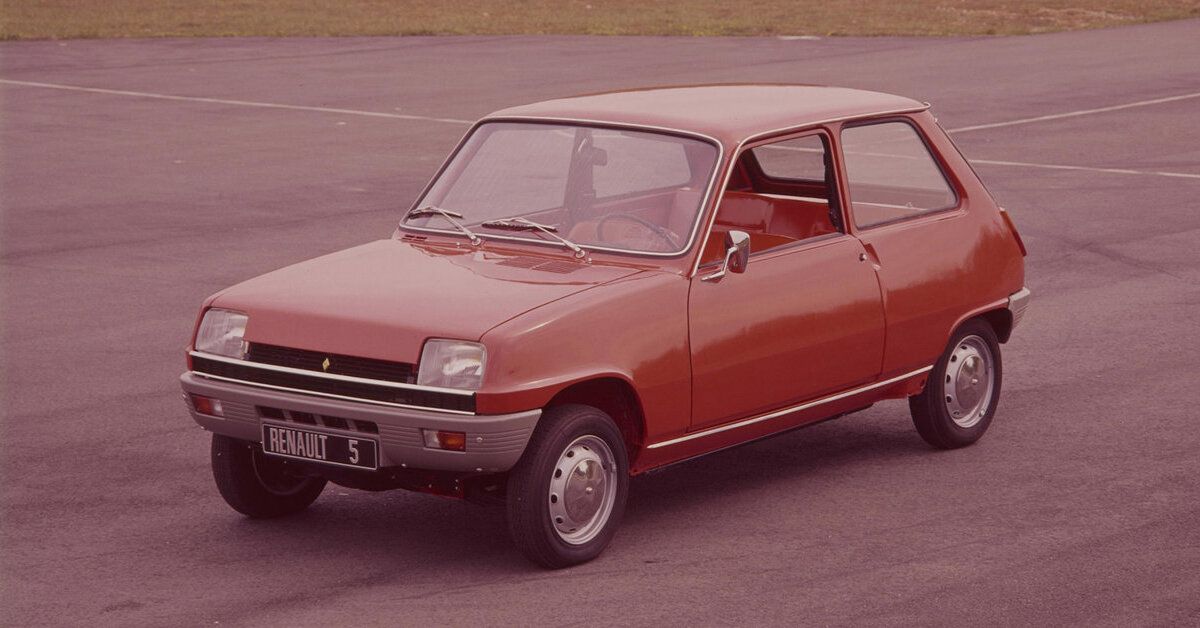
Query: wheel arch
point(618, 399)
point(1001, 320)
point(996, 315)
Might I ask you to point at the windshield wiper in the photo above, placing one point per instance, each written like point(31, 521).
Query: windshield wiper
point(450, 216)
point(524, 224)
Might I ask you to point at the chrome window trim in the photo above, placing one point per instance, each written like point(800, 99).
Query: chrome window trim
point(788, 248)
point(301, 391)
point(789, 410)
point(330, 376)
point(584, 122)
point(799, 128)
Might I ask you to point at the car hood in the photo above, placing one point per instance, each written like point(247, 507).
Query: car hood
point(384, 299)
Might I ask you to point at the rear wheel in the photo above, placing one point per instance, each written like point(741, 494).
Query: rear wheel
point(256, 484)
point(567, 494)
point(960, 399)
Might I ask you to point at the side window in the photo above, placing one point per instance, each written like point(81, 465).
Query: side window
point(891, 174)
point(800, 159)
point(779, 193)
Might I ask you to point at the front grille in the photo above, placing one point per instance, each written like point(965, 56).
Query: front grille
point(367, 368)
point(316, 383)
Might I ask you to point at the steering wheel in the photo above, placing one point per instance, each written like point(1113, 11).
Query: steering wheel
point(657, 230)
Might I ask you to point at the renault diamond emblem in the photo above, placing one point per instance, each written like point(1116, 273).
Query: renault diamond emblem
point(325, 365)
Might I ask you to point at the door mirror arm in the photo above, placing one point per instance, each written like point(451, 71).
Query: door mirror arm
point(737, 256)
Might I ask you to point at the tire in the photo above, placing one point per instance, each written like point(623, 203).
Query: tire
point(952, 411)
point(555, 517)
point(257, 485)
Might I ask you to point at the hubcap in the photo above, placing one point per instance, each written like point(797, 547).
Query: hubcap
point(970, 378)
point(582, 489)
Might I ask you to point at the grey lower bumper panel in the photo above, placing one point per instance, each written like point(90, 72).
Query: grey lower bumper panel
point(1018, 302)
point(494, 442)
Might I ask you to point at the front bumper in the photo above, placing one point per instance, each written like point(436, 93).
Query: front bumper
point(494, 442)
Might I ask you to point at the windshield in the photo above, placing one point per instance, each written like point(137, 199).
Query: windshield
point(605, 188)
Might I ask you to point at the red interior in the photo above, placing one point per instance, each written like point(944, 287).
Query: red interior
point(770, 220)
point(674, 210)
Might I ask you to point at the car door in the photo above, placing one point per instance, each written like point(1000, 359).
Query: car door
point(804, 320)
point(911, 216)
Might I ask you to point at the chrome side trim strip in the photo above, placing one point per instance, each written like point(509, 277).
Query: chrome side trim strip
point(329, 376)
point(796, 408)
point(1017, 303)
point(329, 395)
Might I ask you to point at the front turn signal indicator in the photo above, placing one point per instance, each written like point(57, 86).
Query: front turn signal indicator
point(207, 405)
point(441, 439)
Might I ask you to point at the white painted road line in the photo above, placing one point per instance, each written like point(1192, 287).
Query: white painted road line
point(1072, 114)
point(1023, 164)
point(239, 103)
point(400, 116)
point(997, 162)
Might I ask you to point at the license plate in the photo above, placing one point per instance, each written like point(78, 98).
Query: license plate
point(336, 449)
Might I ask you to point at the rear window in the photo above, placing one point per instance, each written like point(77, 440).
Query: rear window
point(891, 174)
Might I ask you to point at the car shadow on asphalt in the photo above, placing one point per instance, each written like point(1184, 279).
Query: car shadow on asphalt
point(812, 455)
point(424, 534)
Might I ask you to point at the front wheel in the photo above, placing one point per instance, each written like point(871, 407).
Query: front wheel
point(959, 401)
point(567, 494)
point(256, 484)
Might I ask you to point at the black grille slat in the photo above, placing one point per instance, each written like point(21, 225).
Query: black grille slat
point(303, 417)
point(534, 263)
point(307, 418)
point(337, 422)
point(315, 383)
point(351, 366)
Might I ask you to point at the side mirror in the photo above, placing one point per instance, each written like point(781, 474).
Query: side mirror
point(737, 251)
point(737, 255)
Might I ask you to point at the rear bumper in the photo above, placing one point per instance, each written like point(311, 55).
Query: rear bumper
point(1017, 303)
point(494, 442)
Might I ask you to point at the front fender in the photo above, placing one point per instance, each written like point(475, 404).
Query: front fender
point(633, 329)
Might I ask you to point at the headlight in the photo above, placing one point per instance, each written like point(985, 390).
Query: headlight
point(221, 333)
point(452, 364)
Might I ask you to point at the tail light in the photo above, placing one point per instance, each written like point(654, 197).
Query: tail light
point(1013, 228)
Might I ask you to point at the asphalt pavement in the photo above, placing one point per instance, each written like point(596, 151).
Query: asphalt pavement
point(139, 176)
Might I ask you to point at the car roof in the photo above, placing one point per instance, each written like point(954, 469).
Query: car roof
point(730, 113)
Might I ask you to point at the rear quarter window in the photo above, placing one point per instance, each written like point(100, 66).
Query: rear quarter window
point(891, 174)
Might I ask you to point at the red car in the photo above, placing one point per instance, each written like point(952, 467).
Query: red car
point(594, 287)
